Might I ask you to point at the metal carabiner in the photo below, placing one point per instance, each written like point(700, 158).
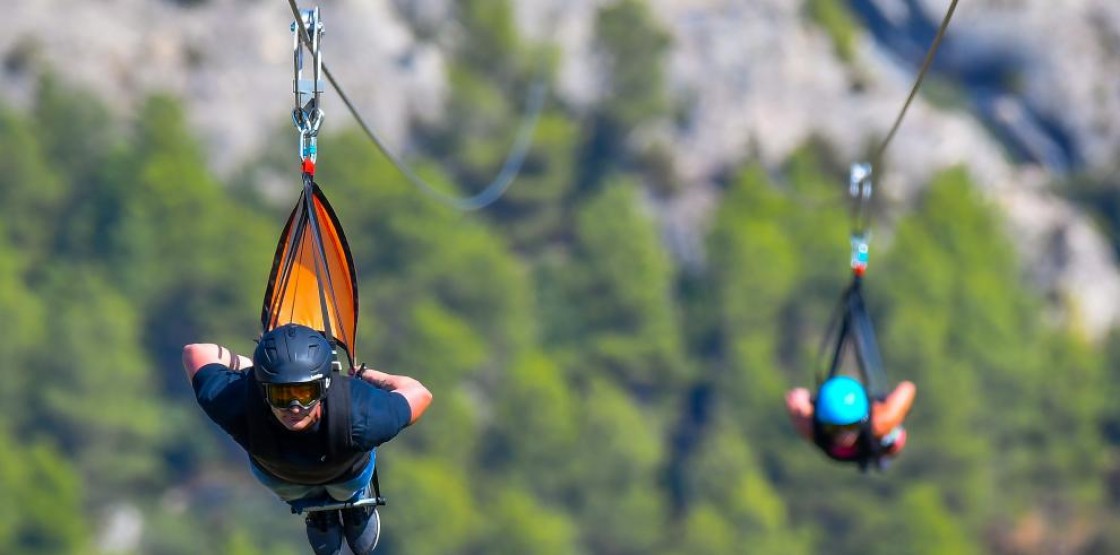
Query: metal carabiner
point(861, 250)
point(860, 188)
point(307, 90)
point(308, 126)
point(859, 181)
point(308, 146)
point(306, 115)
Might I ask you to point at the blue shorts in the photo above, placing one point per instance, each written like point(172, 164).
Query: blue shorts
point(299, 494)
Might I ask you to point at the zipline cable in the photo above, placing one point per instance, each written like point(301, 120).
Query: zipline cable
point(510, 168)
point(850, 317)
point(878, 158)
point(860, 192)
point(860, 180)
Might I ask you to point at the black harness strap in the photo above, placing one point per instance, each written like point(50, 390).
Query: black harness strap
point(266, 438)
point(867, 348)
point(853, 325)
point(338, 422)
point(338, 429)
point(322, 269)
point(270, 315)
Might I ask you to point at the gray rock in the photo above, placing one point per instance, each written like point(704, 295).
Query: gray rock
point(752, 76)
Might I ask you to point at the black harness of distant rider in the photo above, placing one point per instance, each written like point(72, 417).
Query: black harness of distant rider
point(853, 329)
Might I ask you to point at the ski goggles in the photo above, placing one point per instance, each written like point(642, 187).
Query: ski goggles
point(834, 429)
point(284, 395)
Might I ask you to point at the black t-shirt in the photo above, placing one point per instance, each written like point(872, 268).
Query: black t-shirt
point(376, 415)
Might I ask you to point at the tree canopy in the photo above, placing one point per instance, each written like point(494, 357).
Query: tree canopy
point(593, 394)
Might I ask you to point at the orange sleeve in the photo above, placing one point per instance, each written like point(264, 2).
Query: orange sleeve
point(799, 405)
point(892, 411)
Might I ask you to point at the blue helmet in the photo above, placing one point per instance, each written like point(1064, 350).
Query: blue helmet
point(841, 401)
point(292, 354)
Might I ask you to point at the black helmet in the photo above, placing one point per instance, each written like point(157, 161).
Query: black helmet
point(292, 354)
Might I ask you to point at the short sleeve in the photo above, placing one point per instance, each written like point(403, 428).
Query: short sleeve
point(376, 415)
point(221, 394)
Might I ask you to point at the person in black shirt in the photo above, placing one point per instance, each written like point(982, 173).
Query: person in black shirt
point(310, 434)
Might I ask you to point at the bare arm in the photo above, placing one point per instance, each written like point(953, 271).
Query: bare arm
point(890, 413)
point(412, 390)
point(799, 404)
point(197, 355)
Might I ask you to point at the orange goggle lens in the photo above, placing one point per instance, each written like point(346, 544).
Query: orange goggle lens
point(283, 395)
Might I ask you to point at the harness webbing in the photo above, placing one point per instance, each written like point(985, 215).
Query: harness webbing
point(321, 268)
point(857, 331)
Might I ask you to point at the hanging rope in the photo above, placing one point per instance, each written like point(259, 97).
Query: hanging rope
point(510, 168)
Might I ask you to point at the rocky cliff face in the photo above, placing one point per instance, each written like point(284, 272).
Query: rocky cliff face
point(1035, 80)
point(1038, 96)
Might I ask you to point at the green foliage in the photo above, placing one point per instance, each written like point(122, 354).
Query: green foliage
point(948, 257)
point(489, 35)
point(452, 430)
point(240, 543)
point(706, 532)
point(178, 245)
point(435, 513)
point(956, 286)
point(75, 129)
point(621, 286)
point(479, 130)
point(490, 71)
point(220, 511)
point(921, 525)
point(1066, 451)
point(535, 431)
point(589, 397)
point(39, 486)
point(30, 190)
point(517, 523)
point(95, 392)
point(754, 265)
point(836, 19)
point(727, 481)
point(618, 509)
point(24, 328)
point(421, 253)
point(535, 210)
point(776, 271)
point(961, 322)
point(632, 48)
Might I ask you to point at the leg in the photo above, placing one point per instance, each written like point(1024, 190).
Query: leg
point(357, 487)
point(324, 532)
point(362, 525)
point(324, 529)
point(287, 491)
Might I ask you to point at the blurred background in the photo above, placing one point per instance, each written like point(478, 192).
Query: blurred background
point(609, 343)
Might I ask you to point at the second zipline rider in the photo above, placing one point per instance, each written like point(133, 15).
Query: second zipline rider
point(852, 418)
